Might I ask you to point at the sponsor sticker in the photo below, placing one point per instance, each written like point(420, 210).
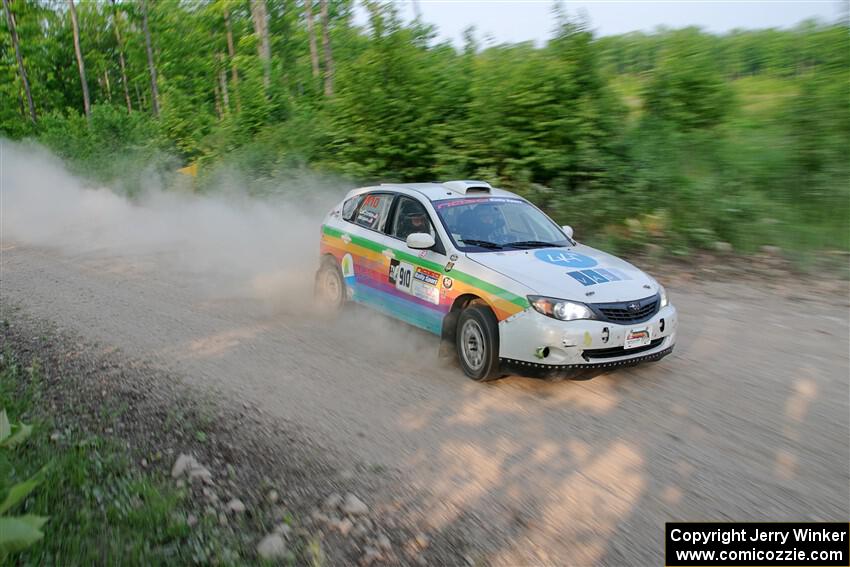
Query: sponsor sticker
point(447, 282)
point(347, 267)
point(416, 281)
point(566, 258)
point(612, 277)
point(581, 278)
point(428, 276)
point(425, 291)
point(638, 337)
point(598, 276)
point(458, 202)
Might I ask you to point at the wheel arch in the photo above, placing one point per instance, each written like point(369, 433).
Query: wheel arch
point(326, 257)
point(460, 303)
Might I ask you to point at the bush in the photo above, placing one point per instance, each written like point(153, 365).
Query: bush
point(17, 532)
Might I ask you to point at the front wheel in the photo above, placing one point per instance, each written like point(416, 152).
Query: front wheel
point(477, 341)
point(329, 289)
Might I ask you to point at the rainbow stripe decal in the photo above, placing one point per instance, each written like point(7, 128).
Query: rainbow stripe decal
point(406, 286)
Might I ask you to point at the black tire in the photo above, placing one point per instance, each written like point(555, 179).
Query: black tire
point(477, 343)
point(329, 293)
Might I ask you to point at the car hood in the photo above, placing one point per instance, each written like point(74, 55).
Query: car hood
point(578, 273)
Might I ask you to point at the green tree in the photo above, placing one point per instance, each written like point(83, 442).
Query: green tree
point(687, 90)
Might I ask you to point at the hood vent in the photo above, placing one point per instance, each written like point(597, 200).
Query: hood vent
point(467, 187)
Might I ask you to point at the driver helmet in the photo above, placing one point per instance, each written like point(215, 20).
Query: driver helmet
point(416, 221)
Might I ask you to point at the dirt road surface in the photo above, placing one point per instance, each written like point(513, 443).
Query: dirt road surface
point(747, 420)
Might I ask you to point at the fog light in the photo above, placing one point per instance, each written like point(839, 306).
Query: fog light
point(542, 352)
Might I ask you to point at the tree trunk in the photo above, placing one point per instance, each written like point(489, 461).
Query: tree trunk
point(23, 108)
point(260, 15)
point(151, 65)
point(231, 52)
point(311, 32)
point(80, 63)
point(10, 20)
point(217, 100)
point(222, 81)
point(108, 85)
point(326, 47)
point(115, 23)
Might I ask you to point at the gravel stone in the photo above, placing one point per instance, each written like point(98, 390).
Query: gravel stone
point(354, 506)
point(272, 548)
point(332, 502)
point(345, 526)
point(236, 506)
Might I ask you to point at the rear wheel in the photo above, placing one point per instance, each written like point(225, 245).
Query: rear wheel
point(329, 289)
point(477, 341)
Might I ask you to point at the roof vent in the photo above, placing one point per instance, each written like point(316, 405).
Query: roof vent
point(467, 186)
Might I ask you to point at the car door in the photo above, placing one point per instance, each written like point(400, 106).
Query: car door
point(362, 239)
point(415, 275)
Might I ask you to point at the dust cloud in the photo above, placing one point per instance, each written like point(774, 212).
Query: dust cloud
point(224, 242)
point(220, 245)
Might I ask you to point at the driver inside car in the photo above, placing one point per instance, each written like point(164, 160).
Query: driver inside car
point(413, 221)
point(484, 222)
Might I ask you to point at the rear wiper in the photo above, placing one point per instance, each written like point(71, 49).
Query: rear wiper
point(531, 244)
point(483, 243)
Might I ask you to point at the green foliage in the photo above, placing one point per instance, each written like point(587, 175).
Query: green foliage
point(127, 151)
point(103, 510)
point(17, 532)
point(739, 137)
point(687, 88)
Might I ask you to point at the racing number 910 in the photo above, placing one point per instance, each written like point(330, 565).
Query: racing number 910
point(401, 274)
point(404, 276)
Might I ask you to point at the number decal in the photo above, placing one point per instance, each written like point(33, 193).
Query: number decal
point(404, 275)
point(401, 274)
point(418, 282)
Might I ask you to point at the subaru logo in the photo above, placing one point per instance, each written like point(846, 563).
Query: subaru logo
point(634, 307)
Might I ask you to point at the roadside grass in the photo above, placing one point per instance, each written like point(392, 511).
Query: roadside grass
point(102, 509)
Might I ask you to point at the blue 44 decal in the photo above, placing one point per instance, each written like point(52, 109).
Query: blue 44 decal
point(598, 276)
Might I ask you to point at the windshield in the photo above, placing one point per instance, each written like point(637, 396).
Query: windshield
point(498, 223)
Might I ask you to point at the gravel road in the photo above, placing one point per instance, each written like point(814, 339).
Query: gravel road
point(747, 420)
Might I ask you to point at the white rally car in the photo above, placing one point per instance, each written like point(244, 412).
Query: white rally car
point(487, 270)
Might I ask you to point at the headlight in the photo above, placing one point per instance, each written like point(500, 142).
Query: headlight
point(560, 309)
point(663, 293)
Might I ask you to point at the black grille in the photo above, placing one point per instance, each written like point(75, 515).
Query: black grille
point(614, 352)
point(626, 312)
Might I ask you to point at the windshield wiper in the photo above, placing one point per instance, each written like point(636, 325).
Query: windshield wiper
point(483, 244)
point(532, 244)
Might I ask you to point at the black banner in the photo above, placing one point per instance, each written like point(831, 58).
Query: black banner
point(809, 544)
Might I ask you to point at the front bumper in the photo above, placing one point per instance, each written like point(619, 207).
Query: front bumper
point(530, 339)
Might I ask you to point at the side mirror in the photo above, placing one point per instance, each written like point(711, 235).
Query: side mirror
point(568, 230)
point(420, 241)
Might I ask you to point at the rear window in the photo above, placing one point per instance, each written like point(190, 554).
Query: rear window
point(372, 212)
point(350, 206)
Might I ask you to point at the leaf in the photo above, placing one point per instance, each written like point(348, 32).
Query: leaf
point(5, 428)
point(18, 533)
point(21, 490)
point(20, 433)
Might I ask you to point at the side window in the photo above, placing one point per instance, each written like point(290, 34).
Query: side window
point(350, 206)
point(372, 212)
point(410, 217)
